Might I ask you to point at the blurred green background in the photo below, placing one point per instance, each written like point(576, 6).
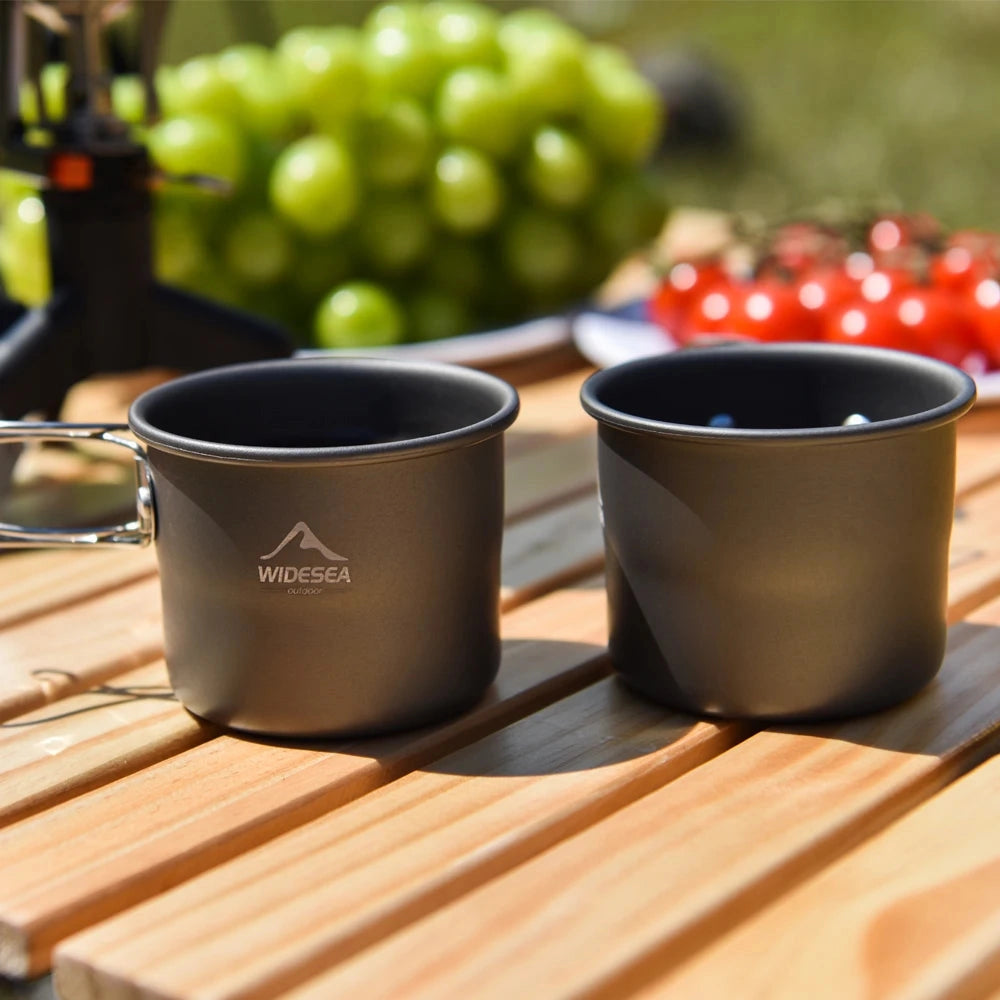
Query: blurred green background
point(851, 103)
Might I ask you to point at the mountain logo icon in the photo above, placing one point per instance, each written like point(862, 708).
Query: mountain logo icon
point(306, 540)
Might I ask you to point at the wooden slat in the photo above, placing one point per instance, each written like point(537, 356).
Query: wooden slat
point(116, 845)
point(640, 890)
point(915, 912)
point(551, 550)
point(73, 648)
point(36, 583)
point(978, 455)
point(272, 918)
point(541, 478)
point(89, 740)
point(974, 558)
point(549, 410)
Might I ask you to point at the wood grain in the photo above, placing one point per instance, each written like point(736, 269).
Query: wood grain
point(633, 895)
point(977, 456)
point(539, 479)
point(974, 558)
point(112, 847)
point(551, 550)
point(549, 410)
point(914, 912)
point(36, 583)
point(77, 646)
point(273, 917)
point(91, 739)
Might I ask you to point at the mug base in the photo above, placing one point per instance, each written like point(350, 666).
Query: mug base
point(818, 713)
point(436, 715)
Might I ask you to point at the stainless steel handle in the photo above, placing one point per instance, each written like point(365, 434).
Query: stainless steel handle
point(139, 532)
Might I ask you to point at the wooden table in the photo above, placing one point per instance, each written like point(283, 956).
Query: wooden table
point(563, 839)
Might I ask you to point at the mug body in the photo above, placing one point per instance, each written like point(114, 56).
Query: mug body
point(787, 567)
point(328, 536)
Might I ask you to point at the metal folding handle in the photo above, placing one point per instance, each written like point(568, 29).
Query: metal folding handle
point(139, 532)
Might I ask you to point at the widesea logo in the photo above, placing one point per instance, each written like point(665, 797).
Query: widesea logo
point(301, 564)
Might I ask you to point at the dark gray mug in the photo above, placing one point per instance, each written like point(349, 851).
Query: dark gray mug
point(765, 560)
point(328, 535)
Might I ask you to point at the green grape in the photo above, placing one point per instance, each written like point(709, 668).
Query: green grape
point(52, 80)
point(292, 44)
point(167, 92)
point(621, 114)
point(238, 63)
point(358, 314)
point(268, 108)
point(128, 98)
point(395, 15)
point(516, 28)
point(396, 142)
point(14, 187)
point(24, 252)
point(466, 191)
point(475, 106)
point(54, 77)
point(458, 267)
point(435, 315)
point(265, 102)
point(257, 250)
point(627, 212)
point(545, 62)
point(540, 249)
point(326, 78)
point(200, 89)
point(314, 186)
point(25, 279)
point(395, 233)
point(198, 144)
point(602, 58)
point(179, 250)
point(559, 170)
point(401, 59)
point(465, 33)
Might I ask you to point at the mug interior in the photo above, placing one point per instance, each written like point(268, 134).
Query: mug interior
point(298, 408)
point(805, 388)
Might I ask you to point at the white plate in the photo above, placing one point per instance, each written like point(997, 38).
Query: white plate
point(488, 348)
point(609, 340)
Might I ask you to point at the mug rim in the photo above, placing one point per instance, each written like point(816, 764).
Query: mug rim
point(963, 395)
point(497, 422)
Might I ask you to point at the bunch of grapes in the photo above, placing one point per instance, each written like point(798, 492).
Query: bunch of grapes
point(439, 170)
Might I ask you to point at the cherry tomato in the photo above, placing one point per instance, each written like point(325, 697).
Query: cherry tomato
point(894, 240)
point(982, 245)
point(823, 289)
point(939, 323)
point(884, 282)
point(984, 308)
point(684, 284)
point(712, 313)
point(800, 246)
point(771, 311)
point(957, 268)
point(872, 324)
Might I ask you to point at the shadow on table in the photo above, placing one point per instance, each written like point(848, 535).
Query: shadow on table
point(104, 695)
point(956, 715)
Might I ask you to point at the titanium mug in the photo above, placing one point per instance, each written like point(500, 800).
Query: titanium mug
point(328, 534)
point(776, 523)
